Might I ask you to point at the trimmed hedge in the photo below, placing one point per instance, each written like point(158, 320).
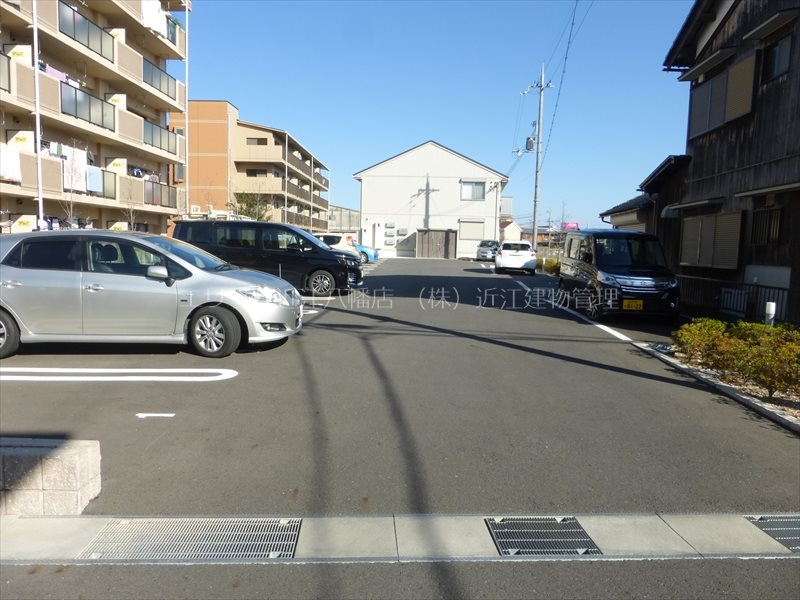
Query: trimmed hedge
point(552, 266)
point(754, 352)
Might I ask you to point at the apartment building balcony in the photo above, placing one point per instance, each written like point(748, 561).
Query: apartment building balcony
point(83, 113)
point(258, 154)
point(76, 40)
point(320, 202)
point(308, 174)
point(107, 189)
point(170, 42)
point(322, 181)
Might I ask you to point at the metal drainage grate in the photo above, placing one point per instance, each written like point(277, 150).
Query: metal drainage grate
point(194, 540)
point(540, 536)
point(783, 529)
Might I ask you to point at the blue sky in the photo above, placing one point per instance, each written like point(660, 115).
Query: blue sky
point(359, 82)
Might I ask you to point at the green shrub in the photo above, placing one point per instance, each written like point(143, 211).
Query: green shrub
point(552, 266)
point(761, 354)
point(698, 338)
point(770, 356)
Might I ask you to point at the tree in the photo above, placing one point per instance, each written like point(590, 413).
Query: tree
point(254, 205)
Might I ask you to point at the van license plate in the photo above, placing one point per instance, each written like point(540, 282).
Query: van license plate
point(633, 305)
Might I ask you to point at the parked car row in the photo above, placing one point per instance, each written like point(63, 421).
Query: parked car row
point(213, 285)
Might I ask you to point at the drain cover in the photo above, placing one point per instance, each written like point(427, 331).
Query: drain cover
point(784, 529)
point(194, 540)
point(540, 536)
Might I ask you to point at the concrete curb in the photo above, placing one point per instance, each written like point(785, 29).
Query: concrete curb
point(396, 538)
point(784, 420)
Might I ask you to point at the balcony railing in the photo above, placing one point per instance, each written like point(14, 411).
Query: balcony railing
point(322, 180)
point(172, 31)
point(159, 79)
point(5, 73)
point(299, 165)
point(160, 194)
point(84, 31)
point(80, 104)
point(108, 186)
point(160, 137)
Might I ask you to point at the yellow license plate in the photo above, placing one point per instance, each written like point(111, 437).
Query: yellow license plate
point(633, 305)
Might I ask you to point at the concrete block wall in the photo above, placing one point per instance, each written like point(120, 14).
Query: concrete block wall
point(41, 476)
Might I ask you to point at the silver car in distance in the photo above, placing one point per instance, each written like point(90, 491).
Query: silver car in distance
point(106, 286)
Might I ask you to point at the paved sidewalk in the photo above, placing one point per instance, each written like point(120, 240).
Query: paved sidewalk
point(393, 538)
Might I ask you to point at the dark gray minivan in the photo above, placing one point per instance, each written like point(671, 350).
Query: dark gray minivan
point(618, 271)
point(276, 248)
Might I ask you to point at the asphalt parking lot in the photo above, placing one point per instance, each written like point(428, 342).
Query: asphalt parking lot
point(440, 388)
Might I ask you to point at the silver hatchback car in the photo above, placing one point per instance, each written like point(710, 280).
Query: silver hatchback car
point(105, 286)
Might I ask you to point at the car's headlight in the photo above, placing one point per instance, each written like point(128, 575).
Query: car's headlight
point(265, 294)
point(606, 279)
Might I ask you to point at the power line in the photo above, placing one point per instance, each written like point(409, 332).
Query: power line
point(561, 81)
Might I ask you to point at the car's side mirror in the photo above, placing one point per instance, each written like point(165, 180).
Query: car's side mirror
point(160, 272)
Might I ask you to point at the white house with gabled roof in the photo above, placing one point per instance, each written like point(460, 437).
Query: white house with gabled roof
point(429, 201)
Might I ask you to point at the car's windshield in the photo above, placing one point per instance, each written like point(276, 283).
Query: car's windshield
point(191, 254)
point(487, 244)
point(629, 252)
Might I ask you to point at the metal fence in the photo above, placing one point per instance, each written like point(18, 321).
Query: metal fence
point(743, 300)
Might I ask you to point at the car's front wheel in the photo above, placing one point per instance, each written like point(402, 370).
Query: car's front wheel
point(9, 335)
point(364, 258)
point(321, 283)
point(214, 332)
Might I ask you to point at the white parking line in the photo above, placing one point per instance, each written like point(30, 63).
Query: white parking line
point(67, 374)
point(150, 415)
point(583, 317)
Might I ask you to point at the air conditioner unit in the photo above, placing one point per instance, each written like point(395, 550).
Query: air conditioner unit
point(194, 209)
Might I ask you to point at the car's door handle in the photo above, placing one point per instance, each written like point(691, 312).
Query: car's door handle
point(95, 287)
point(11, 283)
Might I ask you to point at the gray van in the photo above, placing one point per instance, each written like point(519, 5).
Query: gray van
point(618, 271)
point(278, 249)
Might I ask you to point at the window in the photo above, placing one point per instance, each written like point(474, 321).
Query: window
point(711, 240)
point(776, 58)
point(473, 190)
point(234, 236)
point(122, 258)
point(51, 254)
point(722, 98)
point(180, 172)
point(257, 141)
point(766, 226)
point(470, 230)
point(257, 172)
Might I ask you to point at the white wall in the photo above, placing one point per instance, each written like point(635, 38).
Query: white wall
point(394, 193)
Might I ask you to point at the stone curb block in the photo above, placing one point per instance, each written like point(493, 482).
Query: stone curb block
point(40, 476)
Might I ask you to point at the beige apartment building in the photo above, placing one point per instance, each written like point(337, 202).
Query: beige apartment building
point(233, 164)
point(102, 95)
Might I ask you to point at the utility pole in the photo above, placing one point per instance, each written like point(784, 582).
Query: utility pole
point(542, 87)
